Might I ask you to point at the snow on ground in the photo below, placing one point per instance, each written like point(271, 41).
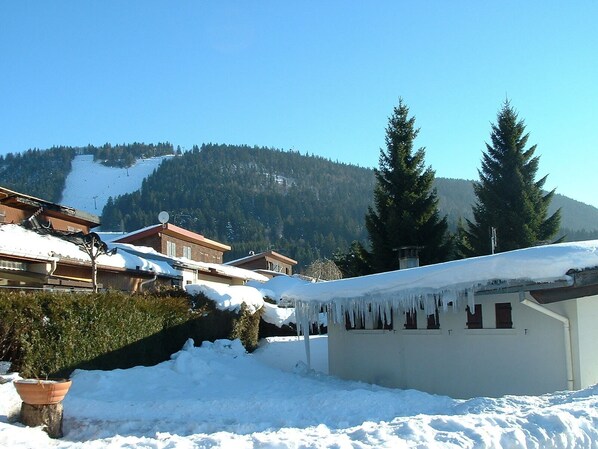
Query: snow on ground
point(217, 396)
point(89, 184)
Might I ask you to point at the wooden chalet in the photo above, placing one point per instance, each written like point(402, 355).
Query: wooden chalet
point(33, 213)
point(39, 248)
point(174, 241)
point(268, 263)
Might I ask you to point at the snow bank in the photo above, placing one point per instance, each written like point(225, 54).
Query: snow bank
point(217, 395)
point(277, 315)
point(276, 287)
point(252, 294)
point(229, 297)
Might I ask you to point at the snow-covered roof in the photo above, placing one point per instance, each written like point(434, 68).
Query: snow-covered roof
point(224, 270)
point(18, 241)
point(110, 236)
point(173, 230)
point(270, 253)
point(455, 281)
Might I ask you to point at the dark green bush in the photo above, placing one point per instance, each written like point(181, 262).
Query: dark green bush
point(45, 333)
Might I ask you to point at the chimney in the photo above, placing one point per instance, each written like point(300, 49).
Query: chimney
point(408, 257)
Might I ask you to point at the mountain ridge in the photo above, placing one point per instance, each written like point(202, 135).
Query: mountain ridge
point(253, 198)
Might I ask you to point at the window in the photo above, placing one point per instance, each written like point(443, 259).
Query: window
point(474, 320)
point(411, 320)
point(358, 322)
point(368, 322)
point(504, 319)
point(187, 252)
point(171, 249)
point(383, 324)
point(433, 320)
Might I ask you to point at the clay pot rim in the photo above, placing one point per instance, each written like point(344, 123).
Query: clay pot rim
point(32, 380)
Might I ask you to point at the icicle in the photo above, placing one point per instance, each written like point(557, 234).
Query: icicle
point(447, 298)
point(471, 300)
point(305, 326)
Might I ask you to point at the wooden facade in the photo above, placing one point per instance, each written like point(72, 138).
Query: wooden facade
point(70, 274)
point(18, 208)
point(268, 263)
point(177, 242)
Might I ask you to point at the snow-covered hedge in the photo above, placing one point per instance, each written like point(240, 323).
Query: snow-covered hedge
point(46, 333)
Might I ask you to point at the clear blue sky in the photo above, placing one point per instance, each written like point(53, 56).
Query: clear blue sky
point(316, 76)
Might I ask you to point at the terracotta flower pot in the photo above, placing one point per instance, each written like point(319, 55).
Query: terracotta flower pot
point(42, 392)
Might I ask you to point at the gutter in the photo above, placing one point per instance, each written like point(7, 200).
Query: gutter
point(566, 333)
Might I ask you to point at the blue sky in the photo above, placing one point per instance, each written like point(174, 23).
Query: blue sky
point(316, 76)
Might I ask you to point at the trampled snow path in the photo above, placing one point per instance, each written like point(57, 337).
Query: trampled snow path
point(218, 396)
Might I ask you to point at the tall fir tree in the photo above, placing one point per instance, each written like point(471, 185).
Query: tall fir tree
point(405, 211)
point(509, 199)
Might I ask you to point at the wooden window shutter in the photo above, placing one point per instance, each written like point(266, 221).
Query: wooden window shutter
point(474, 320)
point(504, 319)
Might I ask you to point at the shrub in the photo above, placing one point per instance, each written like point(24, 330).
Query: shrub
point(50, 334)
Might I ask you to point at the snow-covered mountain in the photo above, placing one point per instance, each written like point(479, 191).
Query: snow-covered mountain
point(90, 184)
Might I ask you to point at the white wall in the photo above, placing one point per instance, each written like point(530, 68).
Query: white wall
point(587, 309)
point(460, 362)
point(583, 313)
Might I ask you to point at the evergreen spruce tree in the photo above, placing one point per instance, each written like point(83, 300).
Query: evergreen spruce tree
point(508, 197)
point(405, 211)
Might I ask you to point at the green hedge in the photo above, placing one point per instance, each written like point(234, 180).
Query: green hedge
point(51, 334)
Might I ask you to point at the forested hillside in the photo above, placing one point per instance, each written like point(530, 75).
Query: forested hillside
point(39, 173)
point(43, 173)
point(254, 199)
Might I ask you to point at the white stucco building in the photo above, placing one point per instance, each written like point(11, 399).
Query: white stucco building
point(534, 330)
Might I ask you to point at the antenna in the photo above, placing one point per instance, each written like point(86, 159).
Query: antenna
point(163, 218)
point(493, 240)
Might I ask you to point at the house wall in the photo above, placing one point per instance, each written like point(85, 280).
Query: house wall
point(153, 241)
point(199, 253)
point(454, 360)
point(587, 329)
point(583, 315)
point(266, 263)
point(217, 281)
point(201, 277)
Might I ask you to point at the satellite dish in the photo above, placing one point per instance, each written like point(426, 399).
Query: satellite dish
point(163, 217)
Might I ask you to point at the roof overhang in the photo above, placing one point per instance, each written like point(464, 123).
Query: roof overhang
point(22, 201)
point(173, 231)
point(585, 283)
point(263, 255)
